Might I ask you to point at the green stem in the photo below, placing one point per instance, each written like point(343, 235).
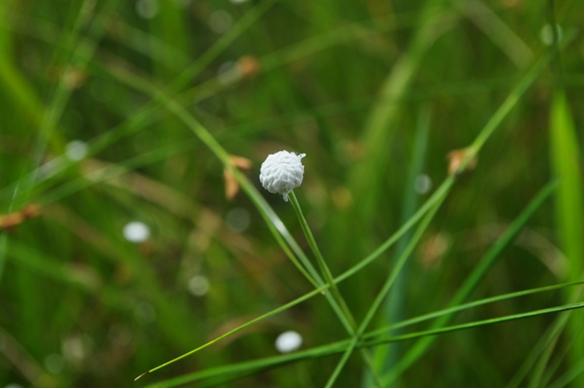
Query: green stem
point(336, 347)
point(381, 296)
point(345, 315)
point(320, 260)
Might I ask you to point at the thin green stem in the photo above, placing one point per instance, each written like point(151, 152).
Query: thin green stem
point(339, 346)
point(473, 304)
point(474, 324)
point(345, 315)
point(382, 294)
point(471, 282)
point(319, 257)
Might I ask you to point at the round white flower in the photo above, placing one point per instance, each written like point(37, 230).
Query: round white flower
point(281, 172)
point(288, 341)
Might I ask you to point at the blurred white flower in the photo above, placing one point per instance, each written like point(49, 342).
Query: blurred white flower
point(238, 1)
point(288, 341)
point(198, 285)
point(76, 150)
point(281, 172)
point(422, 184)
point(136, 232)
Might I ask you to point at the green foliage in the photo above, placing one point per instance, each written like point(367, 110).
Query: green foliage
point(168, 96)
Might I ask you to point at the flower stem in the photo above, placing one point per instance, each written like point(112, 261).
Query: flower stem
point(345, 313)
point(320, 260)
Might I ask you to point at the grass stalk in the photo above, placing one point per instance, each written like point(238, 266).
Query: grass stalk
point(345, 315)
point(383, 293)
point(473, 279)
point(340, 346)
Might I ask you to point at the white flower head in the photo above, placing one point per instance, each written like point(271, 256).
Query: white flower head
point(281, 172)
point(288, 341)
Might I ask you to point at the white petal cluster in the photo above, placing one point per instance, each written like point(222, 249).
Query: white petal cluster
point(281, 172)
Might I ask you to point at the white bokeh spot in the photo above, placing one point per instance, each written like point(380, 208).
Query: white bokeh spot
point(288, 341)
point(136, 232)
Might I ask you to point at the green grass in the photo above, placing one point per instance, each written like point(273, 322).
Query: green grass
point(483, 272)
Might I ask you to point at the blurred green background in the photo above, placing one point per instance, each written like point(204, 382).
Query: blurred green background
point(377, 93)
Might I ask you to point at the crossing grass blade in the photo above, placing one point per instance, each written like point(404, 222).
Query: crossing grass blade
point(343, 312)
point(383, 293)
point(370, 340)
point(471, 282)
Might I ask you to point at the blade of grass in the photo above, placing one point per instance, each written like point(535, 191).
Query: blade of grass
point(383, 293)
point(473, 279)
point(555, 366)
point(539, 347)
point(564, 155)
point(540, 367)
point(393, 307)
point(474, 324)
point(325, 271)
point(473, 304)
point(339, 346)
point(498, 31)
point(345, 315)
point(570, 376)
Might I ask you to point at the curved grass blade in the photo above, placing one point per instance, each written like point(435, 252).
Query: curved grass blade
point(337, 347)
point(345, 315)
point(383, 293)
point(474, 278)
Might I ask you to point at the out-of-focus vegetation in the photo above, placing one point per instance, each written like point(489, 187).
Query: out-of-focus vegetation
point(133, 227)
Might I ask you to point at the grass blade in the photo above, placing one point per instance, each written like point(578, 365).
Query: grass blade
point(474, 278)
point(568, 203)
point(339, 346)
point(383, 294)
point(393, 307)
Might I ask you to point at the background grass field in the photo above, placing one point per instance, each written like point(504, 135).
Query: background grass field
point(378, 94)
